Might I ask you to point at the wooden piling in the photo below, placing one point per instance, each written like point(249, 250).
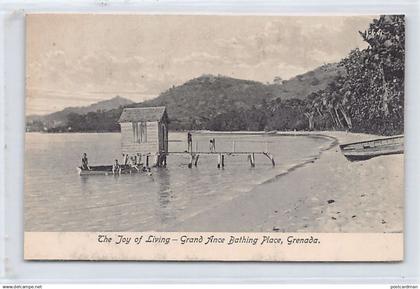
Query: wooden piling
point(147, 161)
point(271, 158)
point(223, 161)
point(155, 160)
point(219, 160)
point(161, 160)
point(196, 160)
point(164, 160)
point(252, 159)
point(191, 161)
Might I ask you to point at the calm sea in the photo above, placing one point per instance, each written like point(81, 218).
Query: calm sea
point(58, 199)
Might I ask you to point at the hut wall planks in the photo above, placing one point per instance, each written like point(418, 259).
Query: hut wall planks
point(130, 146)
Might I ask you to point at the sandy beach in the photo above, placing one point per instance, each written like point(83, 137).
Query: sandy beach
point(328, 194)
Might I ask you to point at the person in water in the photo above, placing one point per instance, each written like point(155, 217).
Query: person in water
point(189, 139)
point(85, 162)
point(116, 168)
point(133, 163)
point(211, 146)
point(138, 159)
point(125, 159)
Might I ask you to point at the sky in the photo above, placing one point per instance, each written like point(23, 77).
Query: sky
point(79, 59)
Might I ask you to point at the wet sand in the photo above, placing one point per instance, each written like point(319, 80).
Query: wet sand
point(329, 194)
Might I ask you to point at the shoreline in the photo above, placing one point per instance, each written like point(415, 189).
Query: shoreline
point(325, 194)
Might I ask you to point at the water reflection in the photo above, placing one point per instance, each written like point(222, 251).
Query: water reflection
point(164, 194)
point(84, 181)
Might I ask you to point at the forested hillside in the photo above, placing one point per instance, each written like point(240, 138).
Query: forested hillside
point(225, 103)
point(99, 117)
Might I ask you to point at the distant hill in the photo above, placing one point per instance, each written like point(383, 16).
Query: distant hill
point(60, 117)
point(201, 99)
point(304, 84)
point(205, 102)
point(207, 96)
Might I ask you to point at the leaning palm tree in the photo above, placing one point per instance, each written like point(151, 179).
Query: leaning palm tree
point(335, 103)
point(309, 112)
point(343, 106)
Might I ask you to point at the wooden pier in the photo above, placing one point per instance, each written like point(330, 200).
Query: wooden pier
point(144, 143)
point(221, 156)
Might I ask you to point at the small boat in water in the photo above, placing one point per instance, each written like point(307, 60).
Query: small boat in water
point(364, 150)
point(107, 170)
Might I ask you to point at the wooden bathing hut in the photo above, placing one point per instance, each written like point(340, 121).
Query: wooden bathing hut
point(144, 134)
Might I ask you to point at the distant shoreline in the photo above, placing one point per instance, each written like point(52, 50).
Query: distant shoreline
point(321, 134)
point(236, 132)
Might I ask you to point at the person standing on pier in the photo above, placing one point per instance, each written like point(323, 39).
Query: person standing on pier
point(189, 139)
point(212, 145)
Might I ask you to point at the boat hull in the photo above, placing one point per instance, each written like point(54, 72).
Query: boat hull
point(106, 170)
point(365, 150)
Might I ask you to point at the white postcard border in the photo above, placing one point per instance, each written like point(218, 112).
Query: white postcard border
point(209, 246)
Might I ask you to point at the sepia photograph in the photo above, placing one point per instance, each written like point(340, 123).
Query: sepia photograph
point(214, 123)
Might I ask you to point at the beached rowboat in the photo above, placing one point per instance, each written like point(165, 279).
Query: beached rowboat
point(368, 149)
point(106, 170)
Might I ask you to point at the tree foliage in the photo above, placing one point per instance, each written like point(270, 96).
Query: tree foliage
point(370, 97)
point(99, 121)
point(375, 83)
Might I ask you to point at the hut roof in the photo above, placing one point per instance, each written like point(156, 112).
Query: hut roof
point(139, 114)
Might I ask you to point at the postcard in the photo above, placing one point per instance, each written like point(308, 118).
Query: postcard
point(214, 137)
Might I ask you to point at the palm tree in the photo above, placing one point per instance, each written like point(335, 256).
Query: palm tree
point(309, 112)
